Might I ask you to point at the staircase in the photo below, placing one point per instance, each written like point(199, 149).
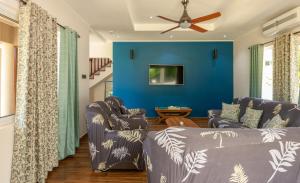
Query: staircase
point(100, 69)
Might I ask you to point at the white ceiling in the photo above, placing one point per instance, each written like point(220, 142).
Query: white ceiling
point(130, 19)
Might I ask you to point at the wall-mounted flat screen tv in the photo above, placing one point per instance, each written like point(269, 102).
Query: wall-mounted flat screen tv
point(166, 75)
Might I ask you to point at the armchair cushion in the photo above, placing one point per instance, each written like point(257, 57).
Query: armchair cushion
point(124, 122)
point(117, 106)
point(132, 112)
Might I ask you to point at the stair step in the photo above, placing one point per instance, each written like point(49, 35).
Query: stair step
point(99, 65)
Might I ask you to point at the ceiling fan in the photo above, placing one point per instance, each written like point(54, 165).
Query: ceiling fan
point(186, 22)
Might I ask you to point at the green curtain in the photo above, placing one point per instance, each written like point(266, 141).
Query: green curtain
point(256, 69)
point(68, 94)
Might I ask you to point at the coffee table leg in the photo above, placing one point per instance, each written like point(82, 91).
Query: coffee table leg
point(160, 117)
point(186, 115)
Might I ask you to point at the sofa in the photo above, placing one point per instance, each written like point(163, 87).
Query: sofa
point(287, 111)
point(115, 140)
point(199, 155)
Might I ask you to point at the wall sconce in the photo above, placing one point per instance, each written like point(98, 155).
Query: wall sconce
point(132, 54)
point(215, 54)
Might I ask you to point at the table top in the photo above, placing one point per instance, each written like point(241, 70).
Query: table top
point(173, 109)
point(175, 121)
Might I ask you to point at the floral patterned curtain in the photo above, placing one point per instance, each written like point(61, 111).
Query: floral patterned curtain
point(285, 71)
point(36, 125)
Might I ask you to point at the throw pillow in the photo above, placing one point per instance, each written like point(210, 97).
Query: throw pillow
point(251, 118)
point(231, 112)
point(276, 122)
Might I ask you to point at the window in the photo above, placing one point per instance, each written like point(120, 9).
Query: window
point(8, 67)
point(267, 76)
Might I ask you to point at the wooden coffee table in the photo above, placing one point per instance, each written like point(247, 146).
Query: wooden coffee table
point(175, 121)
point(165, 113)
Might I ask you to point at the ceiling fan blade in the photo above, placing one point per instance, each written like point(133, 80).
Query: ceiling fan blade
point(197, 28)
point(205, 18)
point(168, 19)
point(170, 29)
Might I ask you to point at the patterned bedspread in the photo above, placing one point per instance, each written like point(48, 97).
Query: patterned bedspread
point(191, 155)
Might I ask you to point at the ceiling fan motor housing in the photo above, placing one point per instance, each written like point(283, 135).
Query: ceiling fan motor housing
point(185, 20)
point(185, 2)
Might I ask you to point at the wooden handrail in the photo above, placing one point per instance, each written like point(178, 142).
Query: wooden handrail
point(97, 65)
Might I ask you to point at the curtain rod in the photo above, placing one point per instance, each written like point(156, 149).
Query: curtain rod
point(25, 2)
point(296, 33)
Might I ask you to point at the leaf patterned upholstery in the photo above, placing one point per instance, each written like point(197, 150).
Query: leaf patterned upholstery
point(117, 105)
point(196, 155)
point(111, 148)
point(287, 111)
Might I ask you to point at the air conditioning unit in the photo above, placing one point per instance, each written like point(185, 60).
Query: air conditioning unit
point(285, 22)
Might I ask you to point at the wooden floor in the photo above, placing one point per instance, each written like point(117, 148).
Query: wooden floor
point(77, 169)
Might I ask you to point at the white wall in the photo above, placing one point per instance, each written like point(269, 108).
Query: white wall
point(97, 92)
point(242, 60)
point(100, 50)
point(6, 146)
point(68, 17)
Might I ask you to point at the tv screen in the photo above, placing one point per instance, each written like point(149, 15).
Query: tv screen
point(166, 74)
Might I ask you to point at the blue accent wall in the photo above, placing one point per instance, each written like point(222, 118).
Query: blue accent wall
point(207, 82)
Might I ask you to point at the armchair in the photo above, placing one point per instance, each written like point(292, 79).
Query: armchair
point(115, 142)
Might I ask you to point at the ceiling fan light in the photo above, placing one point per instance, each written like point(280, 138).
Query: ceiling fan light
point(185, 24)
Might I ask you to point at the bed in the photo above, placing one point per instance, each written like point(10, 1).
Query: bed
point(192, 155)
